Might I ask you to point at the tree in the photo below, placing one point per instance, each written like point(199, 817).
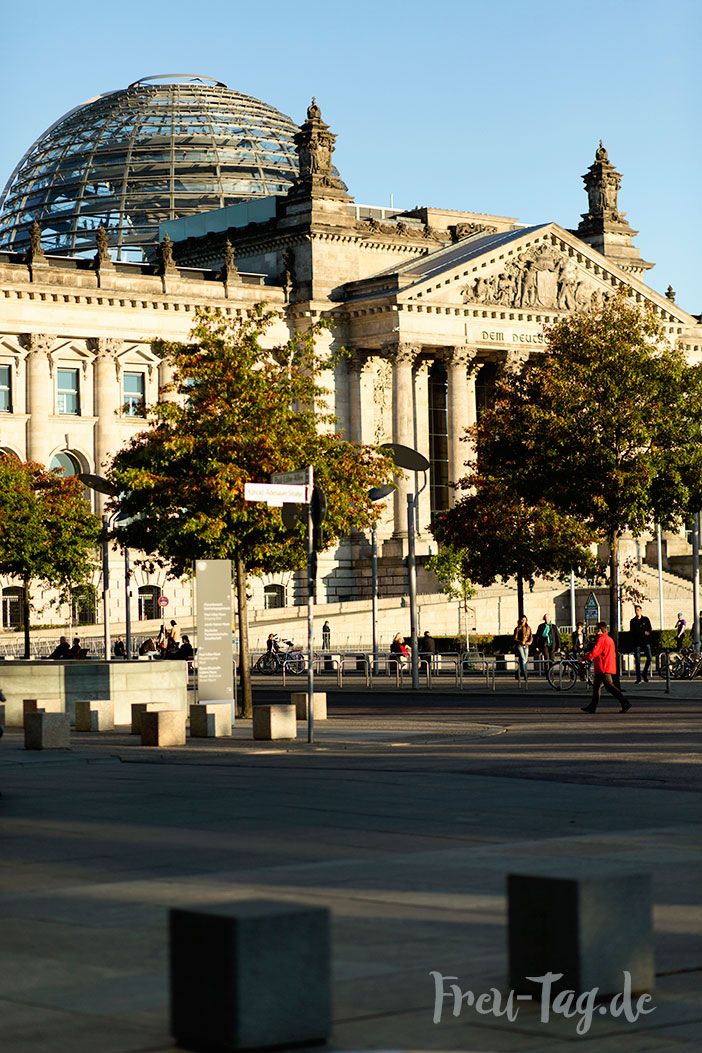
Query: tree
point(47, 531)
point(605, 426)
point(451, 572)
point(494, 534)
point(241, 413)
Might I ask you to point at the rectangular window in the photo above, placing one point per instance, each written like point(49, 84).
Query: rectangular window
point(5, 389)
point(68, 394)
point(133, 392)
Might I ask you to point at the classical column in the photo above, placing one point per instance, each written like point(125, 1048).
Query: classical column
point(403, 357)
point(461, 409)
point(40, 396)
point(356, 363)
point(107, 400)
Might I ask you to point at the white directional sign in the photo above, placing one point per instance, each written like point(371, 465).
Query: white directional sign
point(276, 494)
point(299, 477)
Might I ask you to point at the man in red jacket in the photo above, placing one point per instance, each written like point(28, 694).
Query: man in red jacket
point(604, 655)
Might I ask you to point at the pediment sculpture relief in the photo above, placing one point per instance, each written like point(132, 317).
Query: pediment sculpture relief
point(540, 277)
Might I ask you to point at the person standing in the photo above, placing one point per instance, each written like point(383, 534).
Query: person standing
point(680, 627)
point(604, 655)
point(523, 637)
point(578, 640)
point(548, 641)
point(326, 636)
point(640, 629)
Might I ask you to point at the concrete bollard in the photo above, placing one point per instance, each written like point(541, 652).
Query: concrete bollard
point(274, 721)
point(591, 925)
point(41, 705)
point(139, 708)
point(163, 728)
point(249, 975)
point(210, 720)
point(319, 704)
point(96, 714)
point(47, 731)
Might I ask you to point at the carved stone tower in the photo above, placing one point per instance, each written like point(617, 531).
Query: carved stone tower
point(315, 145)
point(603, 226)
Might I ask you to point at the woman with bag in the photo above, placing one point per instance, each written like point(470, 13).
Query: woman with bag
point(523, 637)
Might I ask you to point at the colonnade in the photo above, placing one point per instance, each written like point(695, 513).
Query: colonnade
point(462, 366)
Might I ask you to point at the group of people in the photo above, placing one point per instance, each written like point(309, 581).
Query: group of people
point(602, 652)
point(167, 644)
point(63, 651)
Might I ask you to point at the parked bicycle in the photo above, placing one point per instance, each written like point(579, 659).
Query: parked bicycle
point(569, 670)
point(292, 660)
point(684, 665)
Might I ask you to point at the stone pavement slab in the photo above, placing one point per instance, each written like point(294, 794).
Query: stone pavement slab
point(404, 820)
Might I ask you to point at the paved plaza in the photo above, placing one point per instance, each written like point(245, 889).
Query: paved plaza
point(404, 819)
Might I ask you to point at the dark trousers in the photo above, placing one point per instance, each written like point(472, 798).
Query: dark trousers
point(646, 648)
point(604, 680)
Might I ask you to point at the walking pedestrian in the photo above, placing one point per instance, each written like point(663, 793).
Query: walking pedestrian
point(578, 639)
point(604, 655)
point(680, 627)
point(548, 641)
point(641, 630)
point(523, 637)
point(326, 636)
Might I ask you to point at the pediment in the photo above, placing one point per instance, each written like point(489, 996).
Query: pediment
point(541, 269)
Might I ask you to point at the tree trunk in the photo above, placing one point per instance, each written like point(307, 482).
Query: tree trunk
point(25, 616)
point(244, 659)
point(520, 596)
point(613, 588)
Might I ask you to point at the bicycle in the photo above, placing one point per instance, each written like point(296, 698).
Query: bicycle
point(683, 665)
point(292, 660)
point(566, 672)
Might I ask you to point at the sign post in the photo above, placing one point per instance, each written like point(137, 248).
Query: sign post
point(288, 488)
point(592, 610)
point(215, 667)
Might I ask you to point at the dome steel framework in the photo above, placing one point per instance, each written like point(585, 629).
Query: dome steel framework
point(163, 148)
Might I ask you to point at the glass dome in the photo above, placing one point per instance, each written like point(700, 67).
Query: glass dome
point(163, 148)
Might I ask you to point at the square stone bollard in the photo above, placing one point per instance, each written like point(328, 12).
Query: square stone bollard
point(38, 705)
point(47, 731)
point(274, 721)
point(210, 720)
point(95, 714)
point(139, 708)
point(592, 925)
point(163, 728)
point(249, 975)
point(319, 704)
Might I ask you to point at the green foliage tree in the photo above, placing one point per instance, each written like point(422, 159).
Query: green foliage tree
point(605, 426)
point(452, 574)
point(239, 412)
point(493, 534)
point(47, 532)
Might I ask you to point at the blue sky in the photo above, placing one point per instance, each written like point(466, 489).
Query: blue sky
point(484, 107)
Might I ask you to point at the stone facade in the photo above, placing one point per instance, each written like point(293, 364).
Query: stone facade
point(425, 301)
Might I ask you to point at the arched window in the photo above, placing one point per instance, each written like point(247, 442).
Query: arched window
point(65, 463)
point(148, 602)
point(83, 605)
point(12, 607)
point(273, 596)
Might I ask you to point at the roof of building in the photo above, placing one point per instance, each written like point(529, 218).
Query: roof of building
point(127, 160)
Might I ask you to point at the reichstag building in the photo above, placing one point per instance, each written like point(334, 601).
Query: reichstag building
point(174, 193)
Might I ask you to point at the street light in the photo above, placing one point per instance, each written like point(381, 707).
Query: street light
point(413, 461)
point(104, 486)
point(376, 493)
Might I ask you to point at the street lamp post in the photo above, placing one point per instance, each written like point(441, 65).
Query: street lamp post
point(376, 493)
point(413, 461)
